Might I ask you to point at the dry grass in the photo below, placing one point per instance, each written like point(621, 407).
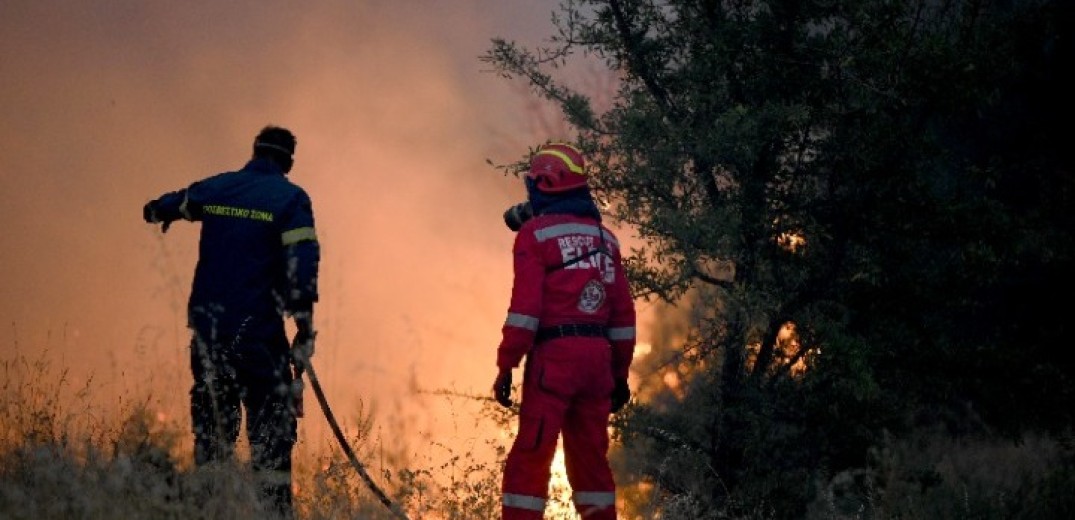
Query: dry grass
point(62, 458)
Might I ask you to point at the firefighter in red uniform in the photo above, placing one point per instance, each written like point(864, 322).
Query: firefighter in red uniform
point(572, 317)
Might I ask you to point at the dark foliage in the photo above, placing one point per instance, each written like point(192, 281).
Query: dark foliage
point(892, 177)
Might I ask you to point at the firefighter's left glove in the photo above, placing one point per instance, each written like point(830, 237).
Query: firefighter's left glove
point(502, 388)
point(302, 347)
point(621, 393)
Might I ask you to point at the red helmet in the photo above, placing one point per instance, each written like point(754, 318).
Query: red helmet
point(557, 167)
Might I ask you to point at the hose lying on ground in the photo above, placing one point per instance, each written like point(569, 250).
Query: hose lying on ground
point(308, 369)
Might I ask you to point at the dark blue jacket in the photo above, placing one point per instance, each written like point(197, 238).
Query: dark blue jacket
point(258, 253)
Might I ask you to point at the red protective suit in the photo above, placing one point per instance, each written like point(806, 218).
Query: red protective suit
point(568, 379)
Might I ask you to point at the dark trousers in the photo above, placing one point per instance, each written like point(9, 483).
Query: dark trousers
point(252, 374)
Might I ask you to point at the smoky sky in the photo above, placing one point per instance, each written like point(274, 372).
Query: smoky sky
point(109, 104)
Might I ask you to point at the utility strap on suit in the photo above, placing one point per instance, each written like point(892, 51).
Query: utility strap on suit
point(570, 329)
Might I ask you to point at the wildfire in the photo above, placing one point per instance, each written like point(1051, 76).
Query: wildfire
point(560, 506)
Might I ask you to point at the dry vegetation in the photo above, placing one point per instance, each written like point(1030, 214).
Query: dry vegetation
point(62, 458)
point(59, 458)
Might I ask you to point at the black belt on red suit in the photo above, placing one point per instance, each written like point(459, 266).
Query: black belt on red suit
point(571, 329)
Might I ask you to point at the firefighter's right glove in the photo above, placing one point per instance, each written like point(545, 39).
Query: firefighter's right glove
point(621, 393)
point(502, 388)
point(297, 387)
point(149, 214)
point(302, 347)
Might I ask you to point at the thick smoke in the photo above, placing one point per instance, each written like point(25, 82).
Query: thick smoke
point(109, 104)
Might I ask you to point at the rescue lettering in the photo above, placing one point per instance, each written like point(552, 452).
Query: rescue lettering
point(574, 246)
point(232, 211)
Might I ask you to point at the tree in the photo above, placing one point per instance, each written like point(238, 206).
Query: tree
point(888, 180)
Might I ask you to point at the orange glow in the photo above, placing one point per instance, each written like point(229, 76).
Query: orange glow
point(791, 241)
point(788, 353)
point(672, 381)
point(560, 505)
point(106, 108)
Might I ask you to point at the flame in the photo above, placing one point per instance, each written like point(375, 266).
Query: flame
point(559, 504)
point(791, 241)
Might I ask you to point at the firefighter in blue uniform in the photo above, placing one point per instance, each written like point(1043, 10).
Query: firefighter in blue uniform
point(258, 261)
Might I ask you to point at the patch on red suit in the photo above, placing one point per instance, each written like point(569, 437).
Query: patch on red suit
point(593, 295)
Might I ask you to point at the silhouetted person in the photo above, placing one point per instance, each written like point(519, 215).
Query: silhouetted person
point(258, 259)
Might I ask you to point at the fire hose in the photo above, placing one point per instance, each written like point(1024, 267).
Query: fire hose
point(303, 365)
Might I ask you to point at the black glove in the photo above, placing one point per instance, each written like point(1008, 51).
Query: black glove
point(502, 388)
point(297, 387)
point(621, 393)
point(149, 214)
point(302, 347)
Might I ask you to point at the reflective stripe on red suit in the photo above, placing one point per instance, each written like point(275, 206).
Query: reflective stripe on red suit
point(567, 381)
